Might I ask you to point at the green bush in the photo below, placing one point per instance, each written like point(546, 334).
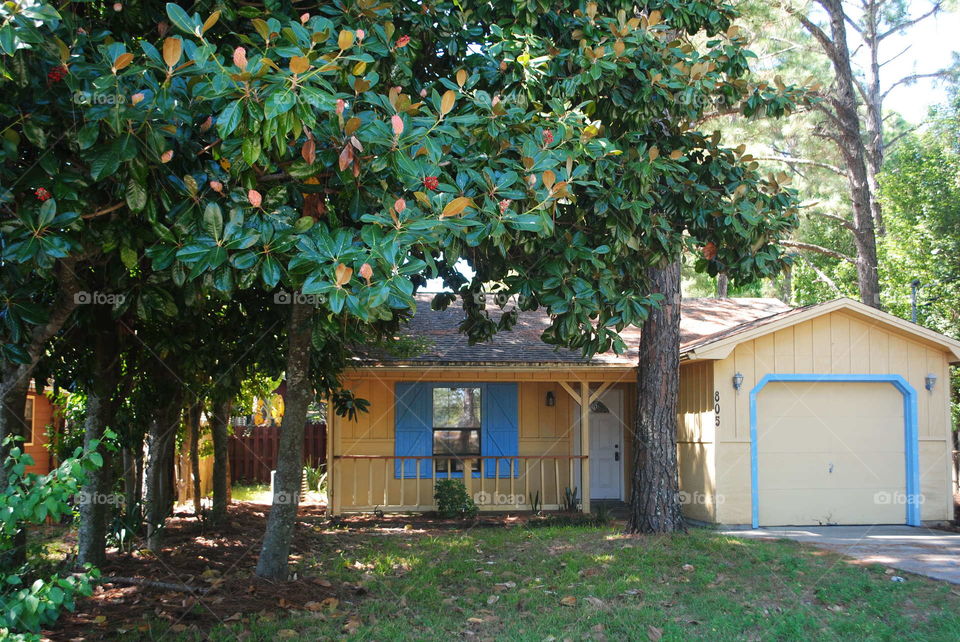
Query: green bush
point(316, 478)
point(32, 594)
point(452, 499)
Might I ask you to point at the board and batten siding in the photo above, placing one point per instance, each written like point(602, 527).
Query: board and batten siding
point(835, 343)
point(362, 484)
point(696, 441)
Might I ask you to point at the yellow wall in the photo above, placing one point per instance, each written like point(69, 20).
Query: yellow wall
point(835, 343)
point(543, 430)
point(695, 441)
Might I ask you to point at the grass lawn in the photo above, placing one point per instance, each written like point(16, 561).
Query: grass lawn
point(579, 582)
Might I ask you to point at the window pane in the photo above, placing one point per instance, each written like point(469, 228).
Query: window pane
point(456, 442)
point(456, 407)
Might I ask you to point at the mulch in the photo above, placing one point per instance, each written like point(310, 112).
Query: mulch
point(218, 565)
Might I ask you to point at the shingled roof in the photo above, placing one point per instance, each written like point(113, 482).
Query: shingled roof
point(701, 319)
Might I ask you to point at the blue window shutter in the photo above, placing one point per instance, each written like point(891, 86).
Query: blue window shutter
point(501, 434)
point(413, 435)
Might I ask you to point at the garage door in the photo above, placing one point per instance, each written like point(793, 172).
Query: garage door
point(830, 453)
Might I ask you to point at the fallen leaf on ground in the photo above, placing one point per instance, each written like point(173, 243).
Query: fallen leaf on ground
point(352, 624)
point(287, 633)
point(653, 633)
point(568, 600)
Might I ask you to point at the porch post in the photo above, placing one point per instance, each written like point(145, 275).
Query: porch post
point(333, 497)
point(585, 445)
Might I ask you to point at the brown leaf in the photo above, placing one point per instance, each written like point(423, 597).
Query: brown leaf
point(299, 64)
point(352, 624)
point(344, 273)
point(122, 61)
point(569, 600)
point(287, 633)
point(172, 49)
point(456, 206)
point(675, 154)
point(346, 157)
point(709, 253)
point(447, 102)
point(351, 125)
point(166, 156)
point(653, 153)
point(309, 151)
point(212, 20)
point(548, 180)
point(461, 77)
point(233, 618)
point(653, 633)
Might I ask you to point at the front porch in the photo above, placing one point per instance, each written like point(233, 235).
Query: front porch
point(536, 439)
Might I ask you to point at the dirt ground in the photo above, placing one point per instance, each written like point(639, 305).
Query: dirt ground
point(219, 567)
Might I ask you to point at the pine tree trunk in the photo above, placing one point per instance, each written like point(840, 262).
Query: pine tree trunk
point(193, 422)
point(132, 465)
point(94, 509)
point(158, 474)
point(219, 423)
point(273, 562)
point(655, 500)
point(723, 285)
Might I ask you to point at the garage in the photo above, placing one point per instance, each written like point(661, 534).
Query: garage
point(830, 453)
point(834, 413)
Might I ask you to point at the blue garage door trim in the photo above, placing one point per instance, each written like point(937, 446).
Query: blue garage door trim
point(911, 448)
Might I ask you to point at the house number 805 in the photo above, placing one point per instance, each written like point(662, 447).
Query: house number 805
point(716, 408)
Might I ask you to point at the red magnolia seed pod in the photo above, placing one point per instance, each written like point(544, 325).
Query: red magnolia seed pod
point(42, 194)
point(431, 182)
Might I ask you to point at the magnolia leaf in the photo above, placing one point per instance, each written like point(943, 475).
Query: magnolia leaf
point(653, 153)
point(212, 20)
point(309, 151)
point(172, 50)
point(366, 272)
point(122, 61)
point(351, 125)
point(343, 274)
point(456, 207)
point(548, 179)
point(299, 64)
point(462, 77)
point(675, 154)
point(446, 103)
point(345, 41)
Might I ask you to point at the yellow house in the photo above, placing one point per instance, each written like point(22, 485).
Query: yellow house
point(831, 414)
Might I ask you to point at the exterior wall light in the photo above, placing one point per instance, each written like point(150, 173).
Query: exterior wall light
point(551, 399)
point(930, 381)
point(737, 381)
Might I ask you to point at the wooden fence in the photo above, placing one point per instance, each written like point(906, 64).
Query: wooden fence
point(253, 451)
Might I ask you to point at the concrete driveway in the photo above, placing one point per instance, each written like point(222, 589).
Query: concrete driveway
point(923, 551)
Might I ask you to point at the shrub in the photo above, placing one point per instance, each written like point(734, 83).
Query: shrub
point(31, 594)
point(452, 499)
point(316, 478)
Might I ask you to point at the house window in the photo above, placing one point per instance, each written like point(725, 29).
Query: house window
point(456, 427)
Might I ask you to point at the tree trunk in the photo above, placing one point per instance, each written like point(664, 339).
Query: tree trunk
point(158, 477)
point(723, 285)
point(848, 137)
point(132, 468)
point(655, 500)
point(286, 483)
point(193, 422)
point(219, 423)
point(94, 507)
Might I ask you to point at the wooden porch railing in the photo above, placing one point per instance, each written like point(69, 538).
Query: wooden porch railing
point(361, 483)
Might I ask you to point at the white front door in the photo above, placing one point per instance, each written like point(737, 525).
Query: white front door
point(606, 446)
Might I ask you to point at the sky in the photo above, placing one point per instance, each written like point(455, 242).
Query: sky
point(931, 45)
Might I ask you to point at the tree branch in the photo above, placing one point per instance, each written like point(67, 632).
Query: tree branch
point(810, 247)
point(821, 275)
point(937, 6)
point(833, 217)
point(789, 160)
point(906, 80)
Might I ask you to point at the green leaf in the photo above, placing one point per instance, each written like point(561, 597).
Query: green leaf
point(96, 458)
point(105, 163)
point(229, 118)
point(181, 19)
point(129, 257)
point(213, 220)
point(251, 150)
point(136, 196)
